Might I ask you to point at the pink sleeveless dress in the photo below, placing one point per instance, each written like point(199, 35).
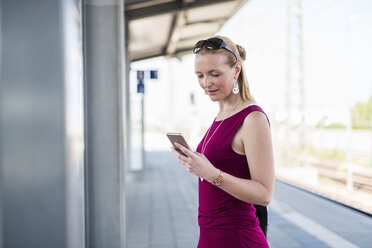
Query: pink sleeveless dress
point(224, 221)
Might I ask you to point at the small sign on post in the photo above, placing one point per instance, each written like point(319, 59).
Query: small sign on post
point(141, 82)
point(153, 74)
point(140, 75)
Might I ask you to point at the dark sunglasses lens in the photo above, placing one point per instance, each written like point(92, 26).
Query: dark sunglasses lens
point(198, 46)
point(214, 43)
point(211, 44)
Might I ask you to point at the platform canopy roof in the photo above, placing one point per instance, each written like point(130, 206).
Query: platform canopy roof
point(172, 27)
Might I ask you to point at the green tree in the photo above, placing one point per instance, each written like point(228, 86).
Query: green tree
point(361, 115)
point(324, 123)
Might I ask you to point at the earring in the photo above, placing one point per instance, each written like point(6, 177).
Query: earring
point(236, 88)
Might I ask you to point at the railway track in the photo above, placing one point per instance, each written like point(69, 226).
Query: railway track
point(361, 181)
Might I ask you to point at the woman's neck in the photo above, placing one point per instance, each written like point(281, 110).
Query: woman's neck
point(228, 106)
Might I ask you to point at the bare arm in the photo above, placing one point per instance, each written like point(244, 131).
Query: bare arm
point(256, 139)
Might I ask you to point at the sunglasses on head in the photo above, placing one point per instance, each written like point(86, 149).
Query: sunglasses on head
point(213, 44)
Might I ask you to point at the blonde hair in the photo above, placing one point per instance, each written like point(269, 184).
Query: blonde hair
point(244, 90)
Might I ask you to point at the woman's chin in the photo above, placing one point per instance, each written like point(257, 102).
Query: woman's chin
point(214, 98)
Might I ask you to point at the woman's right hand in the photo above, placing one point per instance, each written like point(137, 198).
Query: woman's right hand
point(196, 163)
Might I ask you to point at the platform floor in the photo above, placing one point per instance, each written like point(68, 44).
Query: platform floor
point(162, 212)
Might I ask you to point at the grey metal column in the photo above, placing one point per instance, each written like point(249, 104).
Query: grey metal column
point(127, 102)
point(41, 123)
point(104, 86)
point(74, 122)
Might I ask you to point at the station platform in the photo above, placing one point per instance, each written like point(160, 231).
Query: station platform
point(162, 202)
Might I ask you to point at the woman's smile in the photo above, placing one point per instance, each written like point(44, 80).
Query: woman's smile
point(212, 92)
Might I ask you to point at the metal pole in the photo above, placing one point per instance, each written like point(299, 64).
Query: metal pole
point(104, 133)
point(301, 83)
point(74, 123)
point(127, 120)
point(295, 76)
point(143, 129)
point(349, 177)
point(125, 114)
point(288, 91)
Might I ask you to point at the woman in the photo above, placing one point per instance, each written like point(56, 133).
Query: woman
point(234, 160)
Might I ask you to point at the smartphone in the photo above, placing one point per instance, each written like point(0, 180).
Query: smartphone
point(177, 137)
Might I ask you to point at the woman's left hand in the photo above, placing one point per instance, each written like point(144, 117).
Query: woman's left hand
point(196, 163)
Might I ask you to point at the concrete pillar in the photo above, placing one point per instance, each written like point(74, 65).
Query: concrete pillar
point(105, 112)
point(127, 102)
point(41, 124)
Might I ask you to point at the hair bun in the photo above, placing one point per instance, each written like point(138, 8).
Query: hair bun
point(241, 51)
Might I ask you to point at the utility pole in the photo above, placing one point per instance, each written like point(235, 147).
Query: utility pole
point(295, 78)
point(349, 157)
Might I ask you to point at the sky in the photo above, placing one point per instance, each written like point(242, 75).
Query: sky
point(337, 56)
point(337, 53)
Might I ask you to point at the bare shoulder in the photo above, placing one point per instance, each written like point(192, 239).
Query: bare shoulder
point(254, 127)
point(256, 120)
point(256, 135)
